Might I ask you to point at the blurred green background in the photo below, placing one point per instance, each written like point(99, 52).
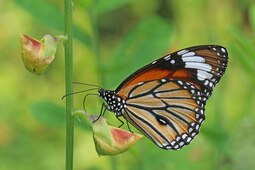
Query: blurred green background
point(112, 39)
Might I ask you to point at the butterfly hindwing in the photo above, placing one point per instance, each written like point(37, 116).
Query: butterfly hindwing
point(170, 114)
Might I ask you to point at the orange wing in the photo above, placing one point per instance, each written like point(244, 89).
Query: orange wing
point(202, 66)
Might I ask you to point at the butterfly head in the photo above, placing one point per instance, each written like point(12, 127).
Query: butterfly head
point(114, 102)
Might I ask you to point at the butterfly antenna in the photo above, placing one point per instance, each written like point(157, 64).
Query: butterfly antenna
point(84, 100)
point(83, 91)
point(87, 84)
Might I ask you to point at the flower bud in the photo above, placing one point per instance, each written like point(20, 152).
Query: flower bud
point(110, 140)
point(38, 55)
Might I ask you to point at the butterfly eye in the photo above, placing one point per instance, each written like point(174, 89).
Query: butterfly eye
point(101, 92)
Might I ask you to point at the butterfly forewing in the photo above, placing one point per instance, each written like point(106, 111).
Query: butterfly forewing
point(203, 66)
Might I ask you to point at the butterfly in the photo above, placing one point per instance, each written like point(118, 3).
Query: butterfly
point(165, 100)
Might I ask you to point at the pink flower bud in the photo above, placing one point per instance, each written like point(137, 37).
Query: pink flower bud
point(109, 140)
point(38, 55)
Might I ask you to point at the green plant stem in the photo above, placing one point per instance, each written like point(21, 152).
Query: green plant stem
point(69, 86)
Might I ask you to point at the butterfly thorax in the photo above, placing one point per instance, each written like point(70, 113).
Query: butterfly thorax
point(114, 102)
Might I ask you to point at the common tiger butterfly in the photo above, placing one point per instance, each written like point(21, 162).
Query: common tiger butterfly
point(165, 100)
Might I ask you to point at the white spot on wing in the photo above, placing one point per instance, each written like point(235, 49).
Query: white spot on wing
point(198, 66)
point(181, 143)
point(154, 62)
point(168, 57)
point(193, 59)
point(176, 147)
point(163, 80)
point(184, 136)
point(163, 121)
point(223, 50)
point(200, 120)
point(206, 82)
point(193, 134)
point(197, 116)
point(188, 54)
point(202, 112)
point(168, 147)
point(211, 84)
point(182, 52)
point(202, 75)
point(188, 139)
point(173, 142)
point(197, 127)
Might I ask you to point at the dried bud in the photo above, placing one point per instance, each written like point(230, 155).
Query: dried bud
point(38, 55)
point(110, 140)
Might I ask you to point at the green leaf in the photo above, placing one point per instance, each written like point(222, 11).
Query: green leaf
point(241, 55)
point(243, 49)
point(104, 6)
point(49, 113)
point(244, 42)
point(48, 14)
point(147, 41)
point(217, 137)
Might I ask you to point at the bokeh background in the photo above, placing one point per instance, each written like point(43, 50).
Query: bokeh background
point(113, 39)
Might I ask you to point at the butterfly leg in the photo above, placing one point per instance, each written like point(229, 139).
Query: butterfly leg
point(129, 127)
point(102, 112)
point(120, 121)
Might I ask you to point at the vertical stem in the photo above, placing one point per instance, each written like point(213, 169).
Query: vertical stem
point(69, 86)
